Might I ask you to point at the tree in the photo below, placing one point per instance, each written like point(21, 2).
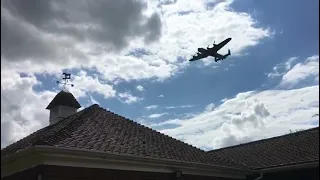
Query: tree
point(296, 130)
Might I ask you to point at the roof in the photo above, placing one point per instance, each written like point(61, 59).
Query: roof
point(290, 149)
point(95, 128)
point(64, 98)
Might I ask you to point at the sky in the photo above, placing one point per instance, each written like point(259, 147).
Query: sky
point(131, 57)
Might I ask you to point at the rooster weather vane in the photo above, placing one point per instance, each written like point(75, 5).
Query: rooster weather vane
point(65, 80)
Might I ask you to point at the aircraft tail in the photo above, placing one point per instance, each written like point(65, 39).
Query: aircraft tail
point(223, 57)
point(228, 54)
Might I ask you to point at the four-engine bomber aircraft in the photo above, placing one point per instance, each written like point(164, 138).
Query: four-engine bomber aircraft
point(203, 53)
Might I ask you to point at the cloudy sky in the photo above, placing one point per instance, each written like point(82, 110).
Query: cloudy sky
point(131, 57)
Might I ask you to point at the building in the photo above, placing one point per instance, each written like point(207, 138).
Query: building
point(97, 144)
point(291, 156)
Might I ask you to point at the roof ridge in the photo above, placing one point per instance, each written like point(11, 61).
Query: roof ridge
point(201, 152)
point(266, 139)
point(141, 125)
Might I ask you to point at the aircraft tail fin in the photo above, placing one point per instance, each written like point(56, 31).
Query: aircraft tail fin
point(216, 59)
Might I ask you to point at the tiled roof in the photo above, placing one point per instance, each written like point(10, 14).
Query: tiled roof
point(95, 128)
point(294, 148)
point(64, 98)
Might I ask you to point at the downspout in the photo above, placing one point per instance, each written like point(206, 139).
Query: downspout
point(260, 177)
point(39, 176)
point(39, 168)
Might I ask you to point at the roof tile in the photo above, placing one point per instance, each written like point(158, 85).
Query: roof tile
point(294, 148)
point(64, 98)
point(97, 129)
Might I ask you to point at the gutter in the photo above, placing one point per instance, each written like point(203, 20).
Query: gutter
point(66, 156)
point(312, 164)
point(107, 155)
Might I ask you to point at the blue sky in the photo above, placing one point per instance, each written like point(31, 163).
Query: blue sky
point(269, 81)
point(200, 87)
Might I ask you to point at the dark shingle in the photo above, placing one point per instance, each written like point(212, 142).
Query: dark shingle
point(294, 148)
point(64, 98)
point(97, 129)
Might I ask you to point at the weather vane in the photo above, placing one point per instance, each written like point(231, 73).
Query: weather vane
point(65, 80)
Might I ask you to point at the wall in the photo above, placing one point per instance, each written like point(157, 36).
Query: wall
point(30, 174)
point(303, 174)
point(59, 112)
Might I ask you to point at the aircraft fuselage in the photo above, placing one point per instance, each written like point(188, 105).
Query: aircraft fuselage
point(202, 50)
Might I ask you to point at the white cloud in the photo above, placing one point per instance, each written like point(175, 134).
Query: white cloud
point(249, 116)
point(140, 88)
point(246, 118)
point(90, 102)
point(281, 68)
point(290, 62)
point(85, 83)
point(128, 68)
point(153, 116)
point(224, 99)
point(22, 110)
point(186, 106)
point(151, 107)
point(180, 37)
point(170, 107)
point(94, 101)
point(301, 71)
point(161, 96)
point(183, 34)
point(210, 107)
point(128, 98)
point(75, 42)
point(182, 106)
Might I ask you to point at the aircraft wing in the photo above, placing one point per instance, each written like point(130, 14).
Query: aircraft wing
point(220, 45)
point(197, 57)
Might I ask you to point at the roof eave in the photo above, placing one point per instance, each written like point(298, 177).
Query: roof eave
point(302, 165)
point(51, 106)
point(73, 157)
